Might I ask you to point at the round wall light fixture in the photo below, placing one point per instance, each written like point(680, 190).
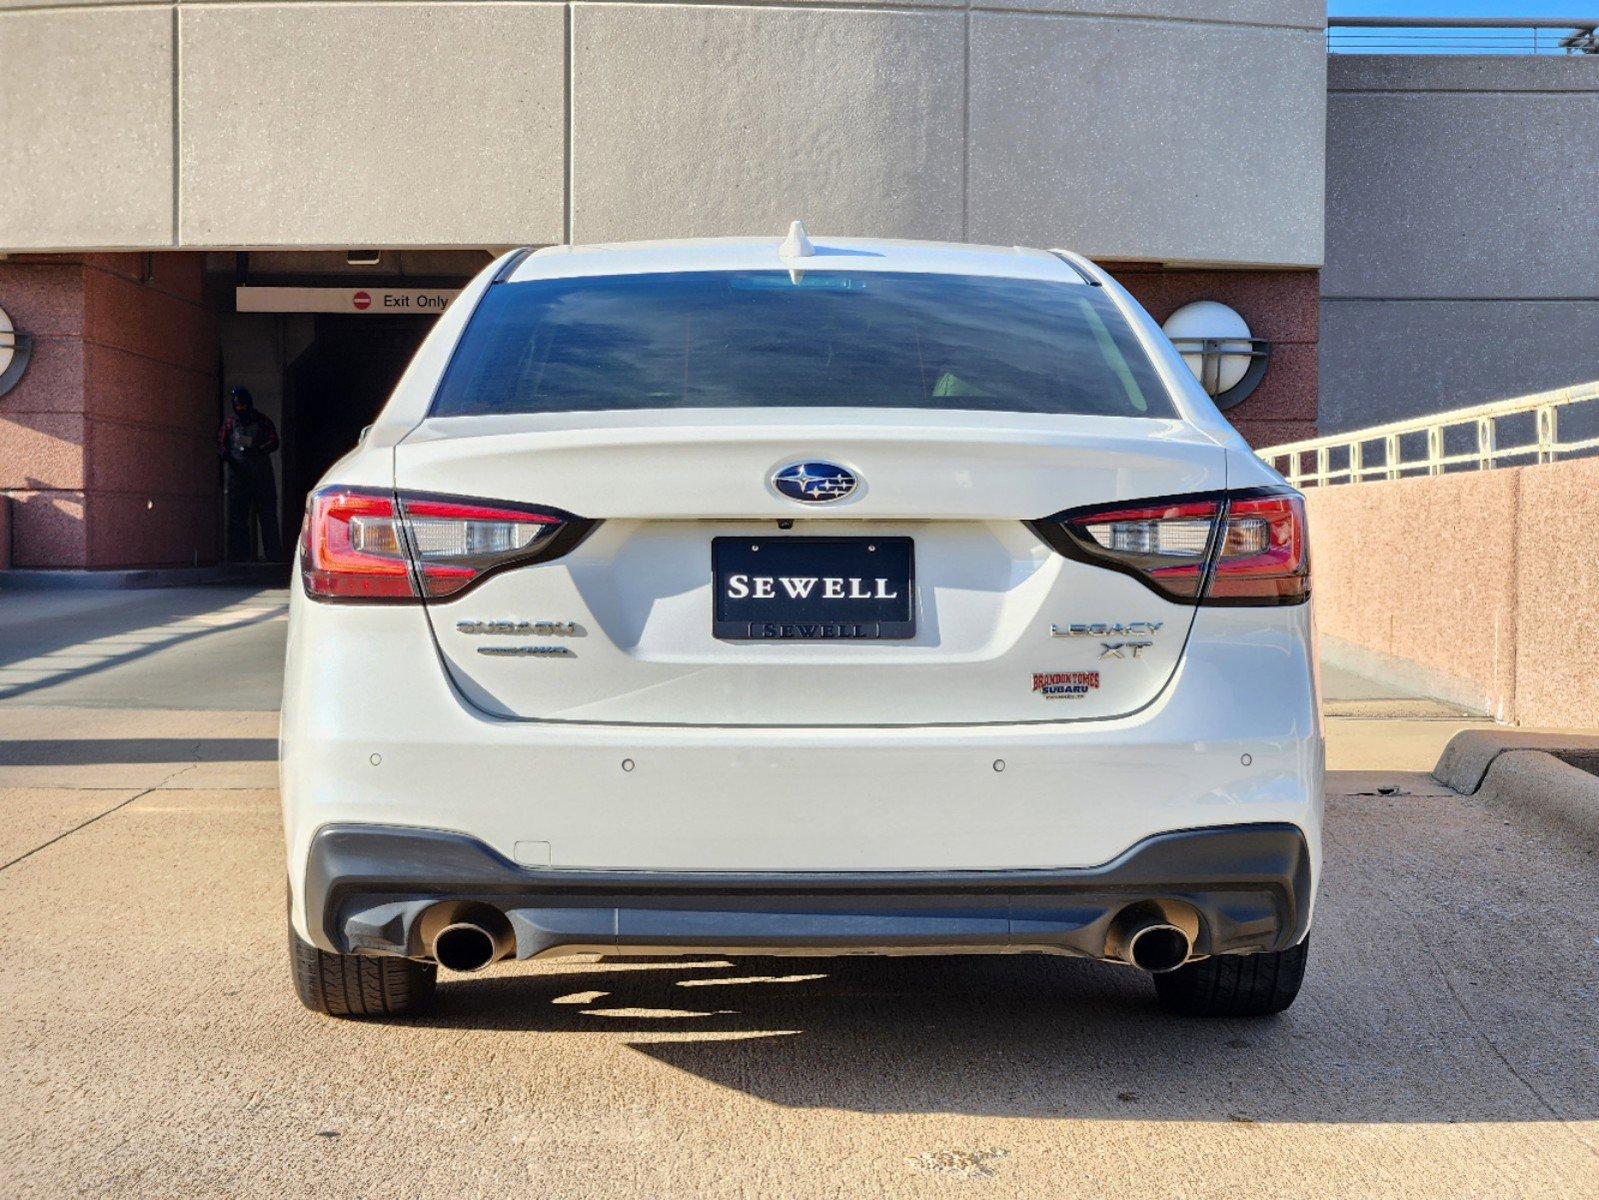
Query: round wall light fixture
point(1216, 344)
point(15, 350)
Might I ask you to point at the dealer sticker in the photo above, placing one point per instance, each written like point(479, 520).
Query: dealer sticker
point(1065, 685)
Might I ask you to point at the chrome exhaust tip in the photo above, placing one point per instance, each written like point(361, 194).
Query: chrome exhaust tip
point(1158, 948)
point(1147, 937)
point(468, 946)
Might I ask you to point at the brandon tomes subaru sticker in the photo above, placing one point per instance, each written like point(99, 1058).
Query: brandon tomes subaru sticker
point(1065, 685)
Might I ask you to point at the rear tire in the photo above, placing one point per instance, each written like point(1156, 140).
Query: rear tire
point(1234, 985)
point(356, 985)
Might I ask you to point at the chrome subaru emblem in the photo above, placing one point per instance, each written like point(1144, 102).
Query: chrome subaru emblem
point(814, 482)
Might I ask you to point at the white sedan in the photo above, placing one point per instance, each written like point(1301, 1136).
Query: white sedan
point(775, 597)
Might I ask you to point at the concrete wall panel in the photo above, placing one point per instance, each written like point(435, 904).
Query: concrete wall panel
point(1085, 133)
point(695, 121)
point(1385, 360)
point(1461, 195)
point(5, 4)
point(381, 124)
point(1184, 131)
point(86, 141)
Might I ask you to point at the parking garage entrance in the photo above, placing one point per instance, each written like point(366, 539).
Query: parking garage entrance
point(320, 343)
point(335, 388)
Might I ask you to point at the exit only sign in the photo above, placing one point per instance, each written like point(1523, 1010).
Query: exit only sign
point(354, 301)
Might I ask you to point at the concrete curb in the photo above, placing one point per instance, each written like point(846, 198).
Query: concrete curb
point(262, 574)
point(1540, 783)
point(1471, 753)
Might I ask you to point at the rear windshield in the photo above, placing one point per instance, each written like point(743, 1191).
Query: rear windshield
point(764, 339)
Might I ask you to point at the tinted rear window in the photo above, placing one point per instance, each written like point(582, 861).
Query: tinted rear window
point(759, 339)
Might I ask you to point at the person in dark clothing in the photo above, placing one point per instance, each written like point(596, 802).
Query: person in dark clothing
point(247, 441)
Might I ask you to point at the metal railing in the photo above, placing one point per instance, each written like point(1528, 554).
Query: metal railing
point(1462, 35)
point(1466, 439)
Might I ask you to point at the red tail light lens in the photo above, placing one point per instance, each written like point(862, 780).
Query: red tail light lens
point(369, 545)
point(1263, 559)
point(350, 548)
point(1228, 548)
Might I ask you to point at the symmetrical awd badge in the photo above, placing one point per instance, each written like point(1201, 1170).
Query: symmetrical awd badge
point(531, 628)
point(515, 628)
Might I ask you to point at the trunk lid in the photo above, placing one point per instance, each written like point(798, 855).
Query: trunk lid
point(1005, 629)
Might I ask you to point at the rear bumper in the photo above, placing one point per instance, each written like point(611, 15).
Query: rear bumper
point(1249, 887)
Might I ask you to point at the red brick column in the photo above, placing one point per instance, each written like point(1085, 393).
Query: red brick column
point(1281, 306)
point(106, 444)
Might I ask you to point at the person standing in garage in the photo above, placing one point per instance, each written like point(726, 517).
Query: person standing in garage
point(247, 441)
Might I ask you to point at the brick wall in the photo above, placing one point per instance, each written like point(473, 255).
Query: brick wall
point(106, 443)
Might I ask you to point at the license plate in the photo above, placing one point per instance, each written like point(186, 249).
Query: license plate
point(813, 588)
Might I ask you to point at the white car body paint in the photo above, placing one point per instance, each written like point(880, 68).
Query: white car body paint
point(651, 746)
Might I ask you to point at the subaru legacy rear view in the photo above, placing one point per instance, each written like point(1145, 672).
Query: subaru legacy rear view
point(759, 597)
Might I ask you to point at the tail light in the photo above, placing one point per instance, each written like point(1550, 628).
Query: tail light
point(1263, 557)
point(1229, 548)
point(366, 545)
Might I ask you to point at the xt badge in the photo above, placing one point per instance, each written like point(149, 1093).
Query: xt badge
point(1123, 649)
point(1143, 631)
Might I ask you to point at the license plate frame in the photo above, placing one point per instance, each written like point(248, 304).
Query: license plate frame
point(814, 617)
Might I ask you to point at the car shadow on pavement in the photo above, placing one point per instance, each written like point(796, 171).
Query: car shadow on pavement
point(1023, 1036)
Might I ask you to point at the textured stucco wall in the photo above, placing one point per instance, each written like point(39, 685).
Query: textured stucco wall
point(1185, 131)
point(106, 444)
point(1477, 586)
point(1462, 201)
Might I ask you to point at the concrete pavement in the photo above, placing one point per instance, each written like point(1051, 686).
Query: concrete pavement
point(1446, 1044)
point(218, 647)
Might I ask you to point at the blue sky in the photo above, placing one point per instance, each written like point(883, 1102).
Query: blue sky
point(1462, 8)
point(1479, 41)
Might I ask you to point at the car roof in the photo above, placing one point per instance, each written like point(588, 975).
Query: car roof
point(773, 254)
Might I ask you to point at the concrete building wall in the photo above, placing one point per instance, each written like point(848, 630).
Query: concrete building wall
point(1186, 131)
point(107, 447)
point(1462, 204)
